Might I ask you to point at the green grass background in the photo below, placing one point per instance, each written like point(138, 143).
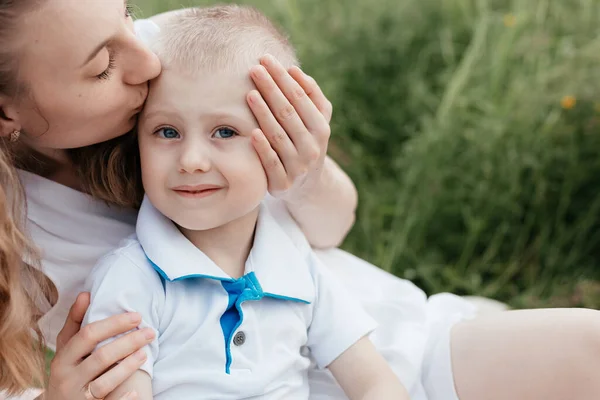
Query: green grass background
point(471, 128)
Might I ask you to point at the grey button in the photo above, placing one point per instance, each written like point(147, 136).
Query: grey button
point(239, 338)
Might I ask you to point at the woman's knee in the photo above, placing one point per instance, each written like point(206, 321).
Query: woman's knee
point(581, 330)
point(587, 324)
point(554, 353)
point(581, 352)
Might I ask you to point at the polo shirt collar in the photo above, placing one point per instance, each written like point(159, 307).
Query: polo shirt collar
point(281, 269)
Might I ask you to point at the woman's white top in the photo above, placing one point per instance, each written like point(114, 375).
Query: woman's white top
point(73, 231)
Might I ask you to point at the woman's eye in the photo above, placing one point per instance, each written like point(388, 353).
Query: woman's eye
point(167, 133)
point(224, 133)
point(111, 65)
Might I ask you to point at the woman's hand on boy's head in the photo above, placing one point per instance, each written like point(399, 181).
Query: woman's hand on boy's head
point(293, 115)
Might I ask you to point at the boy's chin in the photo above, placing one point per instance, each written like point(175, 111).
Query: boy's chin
point(189, 223)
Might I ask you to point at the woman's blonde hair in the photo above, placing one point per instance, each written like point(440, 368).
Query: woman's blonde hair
point(21, 355)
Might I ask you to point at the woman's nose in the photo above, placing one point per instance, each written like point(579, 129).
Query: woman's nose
point(141, 64)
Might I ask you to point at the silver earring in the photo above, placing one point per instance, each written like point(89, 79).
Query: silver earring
point(14, 136)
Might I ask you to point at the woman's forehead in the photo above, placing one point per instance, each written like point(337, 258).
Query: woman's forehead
point(71, 30)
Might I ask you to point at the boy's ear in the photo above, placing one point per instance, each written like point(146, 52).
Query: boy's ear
point(9, 117)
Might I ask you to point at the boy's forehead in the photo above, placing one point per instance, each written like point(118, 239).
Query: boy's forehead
point(199, 94)
point(190, 86)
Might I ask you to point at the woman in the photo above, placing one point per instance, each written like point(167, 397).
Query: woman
point(73, 74)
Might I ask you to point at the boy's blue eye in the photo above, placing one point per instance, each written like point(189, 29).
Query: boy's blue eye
point(167, 133)
point(224, 133)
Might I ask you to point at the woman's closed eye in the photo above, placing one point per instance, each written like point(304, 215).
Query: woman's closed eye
point(111, 65)
point(224, 133)
point(104, 75)
point(167, 133)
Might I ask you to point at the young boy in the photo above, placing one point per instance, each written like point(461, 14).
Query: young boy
point(240, 308)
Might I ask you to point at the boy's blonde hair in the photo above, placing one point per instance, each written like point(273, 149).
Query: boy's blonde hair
point(220, 38)
point(197, 40)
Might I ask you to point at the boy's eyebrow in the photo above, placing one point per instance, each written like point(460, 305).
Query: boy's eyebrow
point(151, 114)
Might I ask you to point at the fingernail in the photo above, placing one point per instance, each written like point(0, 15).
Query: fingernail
point(131, 395)
point(268, 59)
point(140, 355)
point(149, 333)
point(134, 317)
point(253, 96)
point(258, 71)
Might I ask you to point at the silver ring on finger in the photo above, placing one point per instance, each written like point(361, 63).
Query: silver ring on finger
point(89, 395)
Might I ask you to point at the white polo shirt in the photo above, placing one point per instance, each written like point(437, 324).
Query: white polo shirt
point(224, 338)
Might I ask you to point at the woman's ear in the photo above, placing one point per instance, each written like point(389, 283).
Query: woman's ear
point(10, 120)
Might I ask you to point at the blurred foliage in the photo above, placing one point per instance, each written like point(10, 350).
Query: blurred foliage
point(471, 130)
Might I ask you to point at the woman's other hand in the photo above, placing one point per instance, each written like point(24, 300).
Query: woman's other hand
point(78, 367)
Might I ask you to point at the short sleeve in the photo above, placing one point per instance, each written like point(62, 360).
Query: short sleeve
point(117, 285)
point(339, 320)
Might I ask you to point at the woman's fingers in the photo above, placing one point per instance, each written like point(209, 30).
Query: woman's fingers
point(306, 126)
point(314, 92)
point(107, 382)
point(73, 322)
point(73, 367)
point(108, 355)
point(294, 93)
point(276, 174)
point(276, 135)
point(283, 110)
point(86, 340)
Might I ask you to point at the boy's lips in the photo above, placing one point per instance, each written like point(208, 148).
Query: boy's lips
point(196, 191)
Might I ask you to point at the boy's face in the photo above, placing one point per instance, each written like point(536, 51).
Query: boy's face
point(199, 167)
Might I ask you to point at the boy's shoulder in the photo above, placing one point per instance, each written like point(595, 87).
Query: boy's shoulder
point(276, 210)
point(128, 260)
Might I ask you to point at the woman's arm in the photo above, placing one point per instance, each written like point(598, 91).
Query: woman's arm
point(364, 374)
point(327, 213)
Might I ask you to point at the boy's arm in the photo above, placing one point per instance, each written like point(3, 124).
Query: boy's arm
point(364, 374)
point(337, 338)
point(139, 382)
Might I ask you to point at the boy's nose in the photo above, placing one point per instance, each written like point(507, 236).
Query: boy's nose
point(194, 159)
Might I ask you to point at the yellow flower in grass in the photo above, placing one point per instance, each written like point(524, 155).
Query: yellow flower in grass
point(568, 102)
point(510, 20)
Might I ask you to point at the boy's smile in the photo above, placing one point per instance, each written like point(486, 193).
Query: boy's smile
point(197, 191)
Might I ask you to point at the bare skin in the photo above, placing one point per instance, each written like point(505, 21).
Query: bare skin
point(529, 354)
